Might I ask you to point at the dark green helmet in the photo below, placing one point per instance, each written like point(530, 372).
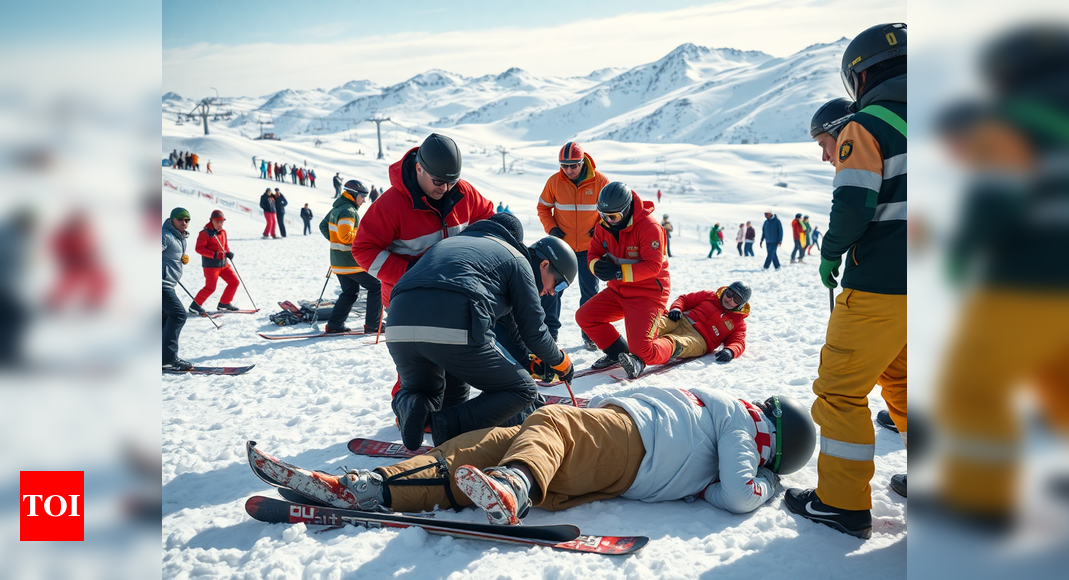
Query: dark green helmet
point(873, 46)
point(831, 117)
point(796, 436)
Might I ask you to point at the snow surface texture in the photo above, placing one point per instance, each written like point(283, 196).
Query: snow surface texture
point(306, 399)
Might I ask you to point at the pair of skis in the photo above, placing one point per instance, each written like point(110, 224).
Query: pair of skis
point(296, 483)
point(656, 370)
point(205, 370)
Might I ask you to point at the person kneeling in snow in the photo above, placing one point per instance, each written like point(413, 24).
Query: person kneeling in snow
point(645, 444)
point(701, 321)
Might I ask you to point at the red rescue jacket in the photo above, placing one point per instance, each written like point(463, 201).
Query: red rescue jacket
point(400, 226)
point(212, 247)
point(639, 251)
point(713, 322)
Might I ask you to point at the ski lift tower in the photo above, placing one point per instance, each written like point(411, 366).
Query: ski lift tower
point(503, 152)
point(779, 179)
point(378, 131)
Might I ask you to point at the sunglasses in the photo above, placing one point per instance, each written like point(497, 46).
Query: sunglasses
point(571, 165)
point(612, 217)
point(183, 219)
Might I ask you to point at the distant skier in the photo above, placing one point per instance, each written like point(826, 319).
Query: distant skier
point(208, 168)
point(174, 314)
point(667, 225)
point(658, 196)
point(306, 215)
point(280, 209)
point(646, 444)
point(816, 240)
point(337, 184)
point(215, 251)
point(772, 232)
point(716, 239)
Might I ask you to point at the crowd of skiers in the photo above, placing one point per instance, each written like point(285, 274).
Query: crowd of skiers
point(279, 171)
point(187, 160)
point(471, 304)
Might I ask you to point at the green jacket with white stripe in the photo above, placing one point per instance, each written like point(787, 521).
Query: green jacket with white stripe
point(868, 212)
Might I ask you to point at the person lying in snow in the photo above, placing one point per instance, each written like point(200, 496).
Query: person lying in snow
point(699, 322)
point(644, 443)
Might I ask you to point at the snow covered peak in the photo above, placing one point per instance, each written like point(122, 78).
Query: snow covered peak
point(172, 96)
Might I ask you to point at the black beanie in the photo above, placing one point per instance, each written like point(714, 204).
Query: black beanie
point(510, 223)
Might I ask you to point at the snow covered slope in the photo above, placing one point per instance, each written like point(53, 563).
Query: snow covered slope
point(305, 400)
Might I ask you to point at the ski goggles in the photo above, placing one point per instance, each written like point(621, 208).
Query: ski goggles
point(441, 182)
point(612, 217)
point(559, 282)
point(734, 296)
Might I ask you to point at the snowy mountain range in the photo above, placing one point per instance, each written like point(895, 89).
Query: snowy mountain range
point(693, 95)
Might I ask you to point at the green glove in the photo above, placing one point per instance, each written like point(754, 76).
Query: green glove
point(829, 271)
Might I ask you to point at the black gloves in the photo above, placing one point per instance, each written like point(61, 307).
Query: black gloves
point(605, 270)
point(591, 232)
point(557, 232)
point(565, 370)
point(674, 315)
point(724, 355)
point(541, 371)
point(230, 255)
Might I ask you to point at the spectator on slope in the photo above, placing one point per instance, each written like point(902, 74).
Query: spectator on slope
point(808, 233)
point(700, 322)
point(311, 178)
point(306, 215)
point(263, 169)
point(173, 157)
point(196, 161)
point(568, 209)
point(174, 314)
point(215, 251)
point(658, 196)
point(798, 230)
point(442, 336)
point(716, 239)
point(280, 209)
point(667, 225)
point(337, 185)
point(340, 226)
point(271, 173)
point(208, 167)
point(427, 202)
point(302, 176)
point(374, 194)
point(267, 203)
point(751, 237)
point(293, 173)
point(772, 232)
point(866, 339)
point(816, 240)
point(500, 207)
point(628, 252)
point(645, 443)
point(740, 237)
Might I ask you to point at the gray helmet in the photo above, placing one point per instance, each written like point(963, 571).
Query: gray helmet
point(615, 198)
point(560, 256)
point(440, 157)
point(872, 46)
point(831, 117)
point(796, 436)
point(742, 289)
point(355, 187)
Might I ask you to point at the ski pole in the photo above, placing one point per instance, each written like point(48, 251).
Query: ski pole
point(315, 316)
point(831, 298)
point(243, 283)
point(205, 315)
point(570, 393)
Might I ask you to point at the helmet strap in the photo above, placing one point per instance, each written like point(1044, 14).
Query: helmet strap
point(778, 414)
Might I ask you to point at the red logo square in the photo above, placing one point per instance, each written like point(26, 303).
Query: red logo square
point(51, 506)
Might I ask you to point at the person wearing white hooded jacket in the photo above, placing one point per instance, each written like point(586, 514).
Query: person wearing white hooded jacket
point(645, 443)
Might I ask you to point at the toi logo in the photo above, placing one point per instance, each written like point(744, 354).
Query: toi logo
point(51, 506)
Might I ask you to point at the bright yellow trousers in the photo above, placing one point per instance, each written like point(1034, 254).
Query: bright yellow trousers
point(865, 346)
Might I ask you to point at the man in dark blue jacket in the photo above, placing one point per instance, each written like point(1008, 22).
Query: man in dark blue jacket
point(772, 232)
point(441, 330)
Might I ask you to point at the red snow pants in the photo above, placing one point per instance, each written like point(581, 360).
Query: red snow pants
point(640, 314)
point(272, 225)
point(211, 278)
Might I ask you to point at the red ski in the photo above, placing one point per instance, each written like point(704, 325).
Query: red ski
point(580, 374)
point(211, 371)
point(218, 313)
point(309, 335)
point(656, 370)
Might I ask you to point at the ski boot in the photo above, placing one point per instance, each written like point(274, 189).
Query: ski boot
point(502, 492)
point(177, 365)
point(341, 329)
point(223, 306)
point(631, 364)
point(197, 309)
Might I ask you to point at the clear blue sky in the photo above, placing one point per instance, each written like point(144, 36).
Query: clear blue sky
point(236, 23)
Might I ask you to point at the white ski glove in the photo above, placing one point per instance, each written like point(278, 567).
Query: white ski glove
point(770, 476)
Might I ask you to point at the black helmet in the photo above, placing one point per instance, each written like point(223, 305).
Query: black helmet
point(354, 187)
point(874, 45)
point(1029, 58)
point(560, 256)
point(440, 157)
point(831, 117)
point(796, 436)
point(614, 198)
point(742, 290)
